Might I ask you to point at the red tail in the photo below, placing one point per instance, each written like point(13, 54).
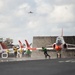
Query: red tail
point(27, 43)
point(3, 45)
point(21, 45)
point(28, 46)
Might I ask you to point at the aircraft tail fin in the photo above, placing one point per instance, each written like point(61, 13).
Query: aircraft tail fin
point(1, 47)
point(27, 43)
point(21, 45)
point(28, 46)
point(62, 32)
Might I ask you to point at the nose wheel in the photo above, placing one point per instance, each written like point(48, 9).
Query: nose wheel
point(58, 55)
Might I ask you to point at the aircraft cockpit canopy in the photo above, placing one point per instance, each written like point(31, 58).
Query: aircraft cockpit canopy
point(59, 41)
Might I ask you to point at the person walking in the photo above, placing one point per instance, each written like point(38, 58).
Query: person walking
point(45, 52)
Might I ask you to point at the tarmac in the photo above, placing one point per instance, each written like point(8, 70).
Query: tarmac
point(22, 66)
point(12, 59)
point(37, 65)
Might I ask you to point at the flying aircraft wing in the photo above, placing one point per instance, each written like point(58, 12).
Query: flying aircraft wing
point(30, 12)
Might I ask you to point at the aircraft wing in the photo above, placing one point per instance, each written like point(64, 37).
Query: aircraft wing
point(71, 46)
point(49, 45)
point(38, 48)
point(46, 48)
point(50, 48)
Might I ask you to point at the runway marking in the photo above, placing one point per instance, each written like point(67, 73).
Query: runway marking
point(60, 61)
point(67, 61)
point(7, 60)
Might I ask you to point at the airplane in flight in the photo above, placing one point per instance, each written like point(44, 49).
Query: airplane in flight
point(30, 12)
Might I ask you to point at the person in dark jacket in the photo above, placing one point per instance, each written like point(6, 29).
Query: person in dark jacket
point(15, 51)
point(45, 52)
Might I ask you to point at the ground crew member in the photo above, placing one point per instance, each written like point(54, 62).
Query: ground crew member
point(58, 55)
point(45, 52)
point(21, 51)
point(7, 52)
point(28, 53)
point(15, 51)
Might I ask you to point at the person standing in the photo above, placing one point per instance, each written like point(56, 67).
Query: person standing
point(58, 55)
point(21, 52)
point(7, 52)
point(45, 52)
point(28, 53)
point(15, 51)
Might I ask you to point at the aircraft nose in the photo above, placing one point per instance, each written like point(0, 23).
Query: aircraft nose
point(58, 47)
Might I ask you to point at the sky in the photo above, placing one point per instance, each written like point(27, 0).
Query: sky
point(48, 18)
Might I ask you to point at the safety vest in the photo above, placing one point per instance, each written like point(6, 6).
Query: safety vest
point(7, 51)
point(21, 50)
point(15, 49)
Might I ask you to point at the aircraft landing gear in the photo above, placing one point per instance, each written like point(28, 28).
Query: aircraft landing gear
point(58, 55)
